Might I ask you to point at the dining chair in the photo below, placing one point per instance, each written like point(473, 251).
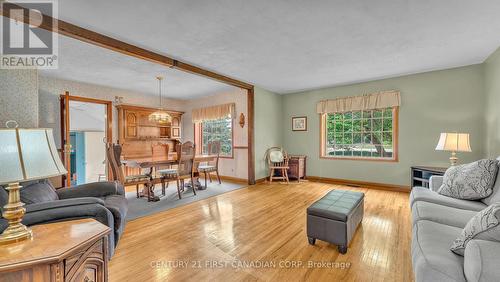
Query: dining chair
point(113, 152)
point(184, 170)
point(213, 148)
point(277, 159)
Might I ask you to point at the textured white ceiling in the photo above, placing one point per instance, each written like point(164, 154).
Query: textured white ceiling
point(79, 61)
point(291, 45)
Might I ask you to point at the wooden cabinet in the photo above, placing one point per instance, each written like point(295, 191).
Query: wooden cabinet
point(137, 134)
point(297, 167)
point(74, 250)
point(176, 127)
point(134, 124)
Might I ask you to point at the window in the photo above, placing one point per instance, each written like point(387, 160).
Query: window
point(368, 134)
point(218, 130)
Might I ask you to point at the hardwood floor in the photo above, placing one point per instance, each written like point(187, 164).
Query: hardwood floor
point(258, 234)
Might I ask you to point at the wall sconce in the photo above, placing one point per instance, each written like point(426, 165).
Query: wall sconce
point(242, 120)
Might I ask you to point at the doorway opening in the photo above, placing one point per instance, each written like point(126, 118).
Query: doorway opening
point(86, 128)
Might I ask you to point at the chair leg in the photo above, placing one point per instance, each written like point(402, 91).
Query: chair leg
point(193, 184)
point(205, 179)
point(149, 191)
point(137, 190)
point(286, 176)
point(210, 177)
point(218, 176)
point(271, 175)
point(163, 187)
point(179, 189)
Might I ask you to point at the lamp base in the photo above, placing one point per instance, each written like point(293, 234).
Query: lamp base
point(15, 234)
point(14, 211)
point(453, 158)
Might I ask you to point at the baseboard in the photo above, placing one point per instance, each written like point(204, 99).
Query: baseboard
point(261, 180)
point(229, 178)
point(365, 184)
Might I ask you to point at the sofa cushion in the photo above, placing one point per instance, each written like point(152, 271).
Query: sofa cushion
point(4, 197)
point(422, 210)
point(485, 225)
point(495, 195)
point(38, 192)
point(431, 256)
point(471, 181)
point(426, 195)
point(478, 261)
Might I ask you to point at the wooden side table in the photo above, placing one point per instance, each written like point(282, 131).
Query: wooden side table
point(297, 167)
point(74, 250)
point(420, 175)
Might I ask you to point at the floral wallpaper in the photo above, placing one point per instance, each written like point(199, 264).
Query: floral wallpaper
point(19, 97)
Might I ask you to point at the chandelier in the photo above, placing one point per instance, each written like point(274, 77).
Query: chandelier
point(160, 116)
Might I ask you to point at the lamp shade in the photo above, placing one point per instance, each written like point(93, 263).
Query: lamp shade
point(454, 142)
point(28, 154)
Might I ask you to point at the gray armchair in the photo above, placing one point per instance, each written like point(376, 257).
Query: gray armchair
point(102, 201)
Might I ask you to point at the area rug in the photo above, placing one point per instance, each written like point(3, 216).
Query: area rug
point(139, 207)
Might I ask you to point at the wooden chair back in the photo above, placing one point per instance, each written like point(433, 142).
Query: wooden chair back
point(213, 148)
point(159, 150)
point(185, 159)
point(276, 157)
point(113, 152)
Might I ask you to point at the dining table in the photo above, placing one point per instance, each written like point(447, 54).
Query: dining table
point(150, 163)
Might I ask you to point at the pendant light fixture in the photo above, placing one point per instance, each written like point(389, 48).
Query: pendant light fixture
point(160, 116)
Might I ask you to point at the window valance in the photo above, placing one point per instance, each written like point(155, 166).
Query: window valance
point(380, 100)
point(214, 113)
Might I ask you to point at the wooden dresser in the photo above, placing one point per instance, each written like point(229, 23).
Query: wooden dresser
point(65, 251)
point(297, 164)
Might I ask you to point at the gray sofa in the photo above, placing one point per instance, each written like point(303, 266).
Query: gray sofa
point(102, 201)
point(437, 221)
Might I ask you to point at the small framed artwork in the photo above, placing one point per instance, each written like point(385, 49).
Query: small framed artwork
point(299, 123)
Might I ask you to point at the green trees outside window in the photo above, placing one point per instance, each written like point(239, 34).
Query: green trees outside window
point(220, 130)
point(364, 134)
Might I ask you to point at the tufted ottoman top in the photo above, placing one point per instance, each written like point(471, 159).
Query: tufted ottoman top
point(336, 204)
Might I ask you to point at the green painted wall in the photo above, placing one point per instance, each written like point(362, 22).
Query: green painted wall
point(492, 90)
point(267, 126)
point(440, 101)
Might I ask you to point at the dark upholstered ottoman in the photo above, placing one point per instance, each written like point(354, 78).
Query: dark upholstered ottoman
point(335, 217)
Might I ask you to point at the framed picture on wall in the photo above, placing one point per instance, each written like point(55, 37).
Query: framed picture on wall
point(299, 123)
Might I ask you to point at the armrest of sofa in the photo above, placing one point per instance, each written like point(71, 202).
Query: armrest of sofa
point(481, 261)
point(95, 189)
point(435, 182)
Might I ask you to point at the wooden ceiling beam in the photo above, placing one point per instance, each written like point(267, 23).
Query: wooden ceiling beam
point(101, 40)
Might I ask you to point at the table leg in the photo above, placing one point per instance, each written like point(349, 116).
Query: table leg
point(149, 189)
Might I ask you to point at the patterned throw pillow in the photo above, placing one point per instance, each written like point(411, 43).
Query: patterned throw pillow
point(485, 225)
point(472, 181)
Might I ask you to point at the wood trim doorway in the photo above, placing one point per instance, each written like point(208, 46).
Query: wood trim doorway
point(65, 128)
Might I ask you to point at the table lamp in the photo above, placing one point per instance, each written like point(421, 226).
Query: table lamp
point(25, 154)
point(454, 142)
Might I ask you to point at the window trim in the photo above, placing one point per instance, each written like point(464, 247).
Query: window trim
point(232, 141)
point(395, 141)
